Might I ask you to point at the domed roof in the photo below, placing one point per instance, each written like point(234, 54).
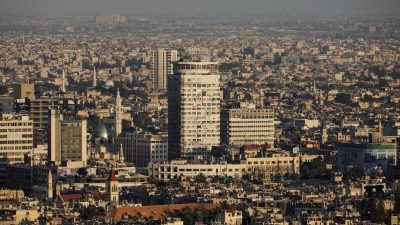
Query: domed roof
point(101, 131)
point(109, 84)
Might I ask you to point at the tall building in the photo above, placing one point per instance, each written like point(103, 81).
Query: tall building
point(38, 111)
point(193, 108)
point(54, 135)
point(118, 114)
point(16, 137)
point(22, 91)
point(244, 126)
point(160, 66)
point(63, 88)
point(94, 82)
point(67, 139)
point(16, 140)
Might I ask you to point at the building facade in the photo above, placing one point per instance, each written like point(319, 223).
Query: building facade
point(193, 109)
point(142, 148)
point(367, 155)
point(38, 111)
point(16, 137)
point(160, 66)
point(67, 139)
point(271, 167)
point(247, 126)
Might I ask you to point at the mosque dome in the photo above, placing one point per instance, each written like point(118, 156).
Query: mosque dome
point(101, 131)
point(296, 61)
point(109, 84)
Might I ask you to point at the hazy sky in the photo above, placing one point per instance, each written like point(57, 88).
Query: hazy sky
point(198, 7)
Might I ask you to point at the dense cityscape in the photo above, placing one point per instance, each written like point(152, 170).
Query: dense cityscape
point(187, 120)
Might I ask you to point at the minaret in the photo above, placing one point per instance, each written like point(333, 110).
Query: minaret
point(49, 185)
point(94, 83)
point(380, 131)
point(63, 90)
point(121, 154)
point(112, 187)
point(118, 114)
point(324, 133)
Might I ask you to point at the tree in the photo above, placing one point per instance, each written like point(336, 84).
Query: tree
point(343, 98)
point(3, 90)
point(201, 178)
point(368, 98)
point(354, 173)
point(82, 171)
point(88, 213)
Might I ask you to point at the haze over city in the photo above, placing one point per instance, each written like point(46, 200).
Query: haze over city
point(198, 8)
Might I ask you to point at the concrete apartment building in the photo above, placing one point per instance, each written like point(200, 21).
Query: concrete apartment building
point(16, 137)
point(244, 126)
point(67, 139)
point(38, 112)
point(193, 108)
point(16, 140)
point(142, 148)
point(160, 66)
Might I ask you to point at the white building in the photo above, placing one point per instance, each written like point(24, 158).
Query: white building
point(244, 126)
point(142, 148)
point(118, 114)
point(193, 109)
point(177, 168)
point(160, 66)
point(16, 137)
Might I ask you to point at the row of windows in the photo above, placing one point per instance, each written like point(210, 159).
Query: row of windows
point(244, 132)
point(16, 130)
point(272, 162)
point(15, 147)
point(16, 142)
point(200, 85)
point(12, 154)
point(249, 117)
point(17, 124)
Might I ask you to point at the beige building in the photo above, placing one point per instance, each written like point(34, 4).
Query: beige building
point(274, 165)
point(230, 217)
point(160, 66)
point(142, 148)
point(16, 137)
point(67, 139)
point(11, 216)
point(247, 126)
point(8, 194)
point(270, 167)
point(22, 91)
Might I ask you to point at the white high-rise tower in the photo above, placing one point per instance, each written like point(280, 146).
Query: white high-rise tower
point(193, 108)
point(63, 82)
point(160, 66)
point(118, 114)
point(94, 82)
